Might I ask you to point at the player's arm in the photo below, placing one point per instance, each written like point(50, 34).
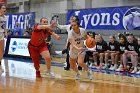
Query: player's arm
point(44, 27)
point(63, 26)
point(71, 40)
point(85, 35)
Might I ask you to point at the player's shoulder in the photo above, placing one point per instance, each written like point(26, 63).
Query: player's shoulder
point(82, 29)
point(3, 17)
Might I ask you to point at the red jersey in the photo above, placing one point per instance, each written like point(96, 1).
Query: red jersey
point(38, 37)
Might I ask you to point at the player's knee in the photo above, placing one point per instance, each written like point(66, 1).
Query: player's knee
point(101, 55)
point(37, 66)
point(72, 66)
point(47, 58)
point(1, 52)
point(80, 63)
point(106, 54)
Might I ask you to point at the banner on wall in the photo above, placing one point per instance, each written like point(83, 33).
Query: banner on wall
point(26, 20)
point(18, 46)
point(113, 18)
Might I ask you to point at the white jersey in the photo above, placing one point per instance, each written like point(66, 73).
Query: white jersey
point(2, 23)
point(78, 38)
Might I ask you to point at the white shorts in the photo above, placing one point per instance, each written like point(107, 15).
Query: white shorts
point(1, 36)
point(74, 54)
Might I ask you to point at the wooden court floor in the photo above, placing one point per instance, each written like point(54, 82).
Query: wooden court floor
point(19, 77)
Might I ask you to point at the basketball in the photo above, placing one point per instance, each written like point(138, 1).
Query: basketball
point(90, 42)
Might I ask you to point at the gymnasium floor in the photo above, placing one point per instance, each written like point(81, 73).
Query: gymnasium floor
point(19, 77)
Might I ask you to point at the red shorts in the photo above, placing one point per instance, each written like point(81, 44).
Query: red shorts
point(34, 53)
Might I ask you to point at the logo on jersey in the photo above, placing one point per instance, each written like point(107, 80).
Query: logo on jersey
point(14, 46)
point(112, 47)
point(99, 47)
point(122, 48)
point(131, 47)
point(78, 40)
point(131, 19)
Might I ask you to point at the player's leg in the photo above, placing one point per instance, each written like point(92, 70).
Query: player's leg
point(101, 58)
point(134, 60)
point(113, 65)
point(34, 54)
point(95, 55)
point(1, 49)
point(72, 61)
point(106, 60)
point(125, 59)
point(46, 55)
point(81, 63)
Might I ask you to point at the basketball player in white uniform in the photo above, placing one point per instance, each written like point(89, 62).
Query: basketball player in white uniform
point(77, 51)
point(3, 31)
point(66, 50)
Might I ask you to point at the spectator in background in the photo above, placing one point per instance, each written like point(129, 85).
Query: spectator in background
point(10, 32)
point(130, 52)
point(112, 51)
point(17, 29)
point(122, 45)
point(26, 33)
point(138, 51)
point(16, 34)
point(101, 47)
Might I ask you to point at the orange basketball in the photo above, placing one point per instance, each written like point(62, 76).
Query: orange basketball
point(90, 42)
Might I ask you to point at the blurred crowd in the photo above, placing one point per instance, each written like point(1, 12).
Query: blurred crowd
point(17, 31)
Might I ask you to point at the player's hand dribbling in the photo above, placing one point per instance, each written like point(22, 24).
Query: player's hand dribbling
point(81, 49)
point(58, 38)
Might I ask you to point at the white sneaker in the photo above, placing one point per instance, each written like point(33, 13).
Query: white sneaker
point(59, 53)
point(105, 66)
point(91, 64)
point(51, 74)
point(115, 66)
point(138, 72)
point(111, 68)
point(119, 68)
point(77, 76)
point(95, 64)
point(135, 70)
point(89, 74)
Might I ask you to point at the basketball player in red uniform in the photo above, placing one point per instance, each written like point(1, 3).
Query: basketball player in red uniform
point(37, 45)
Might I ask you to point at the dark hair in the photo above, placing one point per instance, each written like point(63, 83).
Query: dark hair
point(77, 22)
point(124, 37)
point(27, 31)
point(77, 19)
point(113, 37)
point(42, 18)
point(2, 5)
point(91, 33)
